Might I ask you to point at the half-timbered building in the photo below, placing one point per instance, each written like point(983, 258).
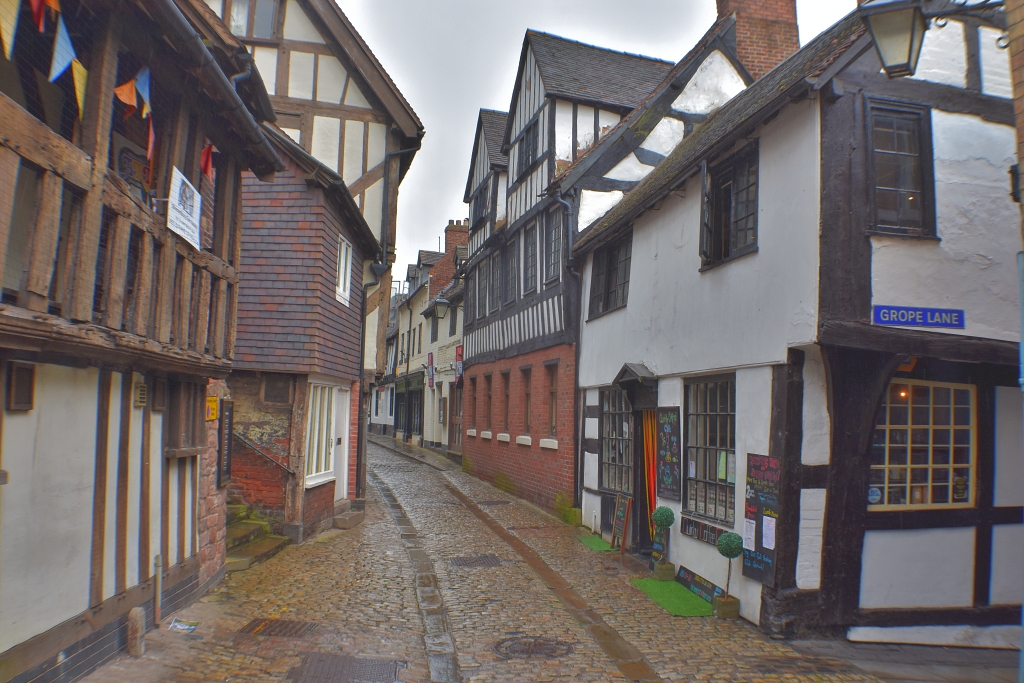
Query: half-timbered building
point(823, 274)
point(122, 147)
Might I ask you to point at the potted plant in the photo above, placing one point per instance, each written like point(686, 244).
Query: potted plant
point(730, 546)
point(663, 519)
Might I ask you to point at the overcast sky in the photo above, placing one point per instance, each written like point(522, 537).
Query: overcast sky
point(450, 58)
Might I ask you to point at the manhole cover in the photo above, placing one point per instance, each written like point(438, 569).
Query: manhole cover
point(323, 668)
point(281, 628)
point(491, 503)
point(530, 647)
point(477, 561)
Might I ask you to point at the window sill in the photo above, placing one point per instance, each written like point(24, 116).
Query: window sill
point(550, 444)
point(524, 441)
point(738, 255)
point(470, 432)
point(313, 480)
point(707, 520)
point(504, 438)
point(884, 233)
point(610, 310)
point(485, 435)
point(183, 452)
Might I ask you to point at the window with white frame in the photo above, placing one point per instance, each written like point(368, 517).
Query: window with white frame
point(344, 288)
point(320, 435)
point(710, 467)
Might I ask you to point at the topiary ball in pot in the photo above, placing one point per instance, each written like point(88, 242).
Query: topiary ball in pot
point(730, 545)
point(663, 517)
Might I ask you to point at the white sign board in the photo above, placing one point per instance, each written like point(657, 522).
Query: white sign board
point(184, 207)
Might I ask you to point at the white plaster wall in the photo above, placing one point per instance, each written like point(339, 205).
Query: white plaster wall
point(995, 64)
point(1007, 583)
point(563, 130)
point(771, 295)
point(714, 83)
point(370, 352)
point(584, 127)
point(1009, 448)
point(134, 490)
point(110, 521)
point(46, 509)
point(592, 511)
point(808, 556)
point(974, 267)
point(665, 136)
point(629, 168)
point(944, 55)
point(297, 25)
point(817, 426)
point(594, 204)
point(670, 392)
point(895, 564)
point(500, 211)
point(606, 120)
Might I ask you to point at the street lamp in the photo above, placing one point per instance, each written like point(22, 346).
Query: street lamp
point(897, 26)
point(441, 306)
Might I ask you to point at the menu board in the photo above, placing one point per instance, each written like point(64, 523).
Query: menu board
point(659, 546)
point(697, 584)
point(761, 512)
point(669, 454)
point(619, 520)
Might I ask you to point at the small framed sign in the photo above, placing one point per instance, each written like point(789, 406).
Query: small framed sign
point(227, 426)
point(184, 209)
point(909, 316)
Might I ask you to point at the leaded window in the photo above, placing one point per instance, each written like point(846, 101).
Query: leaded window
point(495, 280)
point(710, 471)
point(552, 245)
point(730, 207)
point(609, 284)
point(511, 254)
point(481, 280)
point(530, 258)
point(616, 442)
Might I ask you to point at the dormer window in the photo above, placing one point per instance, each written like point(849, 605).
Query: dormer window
point(527, 148)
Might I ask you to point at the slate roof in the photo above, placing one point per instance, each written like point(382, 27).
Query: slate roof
point(578, 71)
point(493, 123)
point(741, 112)
point(428, 258)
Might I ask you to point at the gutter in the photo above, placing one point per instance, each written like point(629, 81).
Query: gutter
point(190, 46)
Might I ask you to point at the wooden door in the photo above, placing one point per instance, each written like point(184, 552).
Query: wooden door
point(455, 418)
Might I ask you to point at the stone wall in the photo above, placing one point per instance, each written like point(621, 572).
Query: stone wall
point(212, 512)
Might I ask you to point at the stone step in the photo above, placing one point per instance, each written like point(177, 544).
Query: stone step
point(254, 552)
point(245, 531)
point(236, 512)
point(348, 519)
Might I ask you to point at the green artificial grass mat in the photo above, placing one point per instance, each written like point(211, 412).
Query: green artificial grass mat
point(595, 543)
point(674, 598)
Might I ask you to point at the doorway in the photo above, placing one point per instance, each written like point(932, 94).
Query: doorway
point(342, 424)
point(455, 418)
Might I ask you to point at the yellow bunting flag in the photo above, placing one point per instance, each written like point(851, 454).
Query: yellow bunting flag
point(9, 10)
point(80, 76)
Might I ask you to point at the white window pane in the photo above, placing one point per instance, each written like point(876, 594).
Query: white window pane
point(330, 79)
point(266, 63)
point(300, 75)
point(217, 6)
point(239, 17)
point(373, 207)
point(294, 134)
point(326, 140)
point(297, 25)
point(353, 152)
point(354, 96)
point(375, 145)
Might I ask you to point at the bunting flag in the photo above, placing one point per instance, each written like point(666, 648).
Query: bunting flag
point(206, 161)
point(9, 11)
point(80, 76)
point(54, 6)
point(126, 93)
point(63, 51)
point(151, 144)
point(142, 88)
point(37, 15)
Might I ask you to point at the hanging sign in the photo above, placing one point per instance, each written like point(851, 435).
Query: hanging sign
point(761, 512)
point(184, 207)
point(227, 426)
point(669, 455)
point(430, 369)
point(906, 316)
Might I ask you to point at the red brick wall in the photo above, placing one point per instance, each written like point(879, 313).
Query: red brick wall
point(537, 474)
point(456, 234)
point(318, 509)
point(258, 482)
point(212, 512)
point(766, 32)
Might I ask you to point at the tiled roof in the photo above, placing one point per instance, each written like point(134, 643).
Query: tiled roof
point(429, 258)
point(493, 123)
point(585, 72)
point(740, 112)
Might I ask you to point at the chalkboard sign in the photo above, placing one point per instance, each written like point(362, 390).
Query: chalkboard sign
point(621, 517)
point(761, 512)
point(697, 584)
point(659, 546)
point(670, 483)
point(227, 425)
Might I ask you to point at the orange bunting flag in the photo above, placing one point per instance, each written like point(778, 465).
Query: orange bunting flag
point(151, 144)
point(80, 76)
point(54, 6)
point(126, 93)
point(37, 15)
point(206, 161)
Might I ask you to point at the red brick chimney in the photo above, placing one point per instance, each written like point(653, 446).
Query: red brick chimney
point(442, 273)
point(766, 32)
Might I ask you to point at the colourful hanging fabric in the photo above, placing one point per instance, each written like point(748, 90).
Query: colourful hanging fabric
point(650, 431)
point(126, 93)
point(81, 77)
point(142, 88)
point(9, 11)
point(38, 16)
point(151, 142)
point(63, 51)
point(54, 6)
point(206, 161)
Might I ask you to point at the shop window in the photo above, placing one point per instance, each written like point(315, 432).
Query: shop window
point(186, 415)
point(417, 411)
point(320, 435)
point(552, 245)
point(21, 386)
point(730, 208)
point(609, 283)
point(276, 387)
point(710, 469)
point(527, 373)
point(616, 442)
point(530, 258)
point(23, 222)
point(902, 167)
point(923, 451)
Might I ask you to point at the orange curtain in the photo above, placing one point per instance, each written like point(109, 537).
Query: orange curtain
point(650, 426)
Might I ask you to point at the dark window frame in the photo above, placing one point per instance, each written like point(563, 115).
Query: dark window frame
point(697, 440)
point(552, 399)
point(434, 325)
point(616, 457)
point(527, 149)
point(506, 378)
point(530, 258)
point(608, 293)
point(494, 298)
point(480, 202)
point(453, 322)
point(510, 268)
point(527, 376)
point(926, 158)
point(723, 190)
point(276, 375)
point(552, 246)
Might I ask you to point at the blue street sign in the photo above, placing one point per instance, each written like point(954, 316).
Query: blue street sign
point(908, 316)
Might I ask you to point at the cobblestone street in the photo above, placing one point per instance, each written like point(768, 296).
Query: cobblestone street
point(367, 594)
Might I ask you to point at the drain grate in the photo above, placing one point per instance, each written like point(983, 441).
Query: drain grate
point(532, 647)
point(323, 668)
point(477, 561)
point(281, 628)
point(492, 503)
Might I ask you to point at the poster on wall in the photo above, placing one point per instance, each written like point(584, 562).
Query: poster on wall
point(227, 426)
point(670, 483)
point(184, 208)
point(761, 512)
point(430, 369)
point(458, 365)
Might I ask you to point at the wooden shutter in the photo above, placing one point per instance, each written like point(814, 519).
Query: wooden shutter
point(705, 213)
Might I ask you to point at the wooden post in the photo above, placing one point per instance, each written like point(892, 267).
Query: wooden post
point(10, 162)
point(203, 315)
point(44, 244)
point(184, 308)
point(166, 283)
point(143, 288)
point(117, 268)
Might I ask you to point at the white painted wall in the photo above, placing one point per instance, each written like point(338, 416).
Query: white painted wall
point(808, 556)
point(974, 266)
point(594, 204)
point(563, 130)
point(1007, 583)
point(944, 55)
point(772, 294)
point(46, 509)
point(665, 136)
point(1009, 448)
point(918, 568)
point(995, 64)
point(1003, 637)
point(715, 82)
point(629, 168)
point(297, 25)
point(817, 425)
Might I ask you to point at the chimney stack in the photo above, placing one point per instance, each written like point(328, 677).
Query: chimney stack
point(766, 32)
point(456, 234)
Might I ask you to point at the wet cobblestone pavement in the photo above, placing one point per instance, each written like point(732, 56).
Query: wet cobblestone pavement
point(359, 588)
